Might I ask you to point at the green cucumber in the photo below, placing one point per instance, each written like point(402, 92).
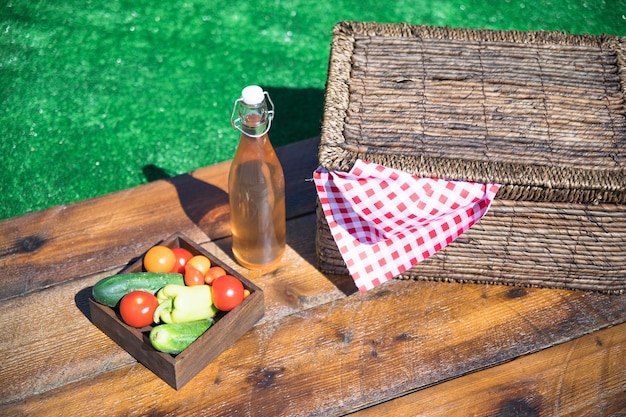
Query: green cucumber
point(176, 337)
point(109, 291)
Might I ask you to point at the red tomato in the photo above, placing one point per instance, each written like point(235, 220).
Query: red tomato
point(227, 293)
point(193, 276)
point(182, 256)
point(200, 262)
point(137, 308)
point(159, 259)
point(213, 273)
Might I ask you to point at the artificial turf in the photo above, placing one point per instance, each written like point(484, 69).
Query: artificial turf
point(98, 95)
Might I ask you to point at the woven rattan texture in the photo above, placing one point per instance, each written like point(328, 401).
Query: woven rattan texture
point(540, 112)
point(530, 244)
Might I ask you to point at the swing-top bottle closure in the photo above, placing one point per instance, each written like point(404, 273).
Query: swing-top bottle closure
point(252, 105)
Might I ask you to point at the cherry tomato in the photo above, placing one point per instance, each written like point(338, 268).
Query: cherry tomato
point(227, 293)
point(193, 276)
point(201, 263)
point(213, 273)
point(137, 308)
point(182, 256)
point(159, 259)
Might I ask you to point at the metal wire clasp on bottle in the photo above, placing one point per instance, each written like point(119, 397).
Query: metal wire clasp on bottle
point(236, 122)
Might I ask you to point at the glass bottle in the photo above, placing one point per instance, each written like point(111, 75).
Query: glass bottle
point(256, 185)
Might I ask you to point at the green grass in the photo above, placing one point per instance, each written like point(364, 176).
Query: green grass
point(93, 92)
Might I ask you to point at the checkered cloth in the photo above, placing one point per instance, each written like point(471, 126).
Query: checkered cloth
point(385, 221)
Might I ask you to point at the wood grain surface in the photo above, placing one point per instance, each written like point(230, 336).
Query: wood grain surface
point(103, 233)
point(583, 377)
point(405, 348)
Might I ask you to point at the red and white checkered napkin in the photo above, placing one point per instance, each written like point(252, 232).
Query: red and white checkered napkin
point(385, 221)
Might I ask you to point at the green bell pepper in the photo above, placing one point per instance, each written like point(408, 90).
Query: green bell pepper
point(182, 304)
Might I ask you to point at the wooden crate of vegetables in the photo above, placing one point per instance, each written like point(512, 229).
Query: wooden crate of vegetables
point(175, 323)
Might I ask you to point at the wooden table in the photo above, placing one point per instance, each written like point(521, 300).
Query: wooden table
point(403, 349)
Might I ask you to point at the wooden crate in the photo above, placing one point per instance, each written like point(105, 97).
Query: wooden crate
point(179, 369)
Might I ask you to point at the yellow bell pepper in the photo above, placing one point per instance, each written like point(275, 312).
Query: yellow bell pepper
point(182, 304)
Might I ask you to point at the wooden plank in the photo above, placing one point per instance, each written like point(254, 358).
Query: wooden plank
point(317, 352)
point(53, 320)
point(581, 377)
point(99, 234)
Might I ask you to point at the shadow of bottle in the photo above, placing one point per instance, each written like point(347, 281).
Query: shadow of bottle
point(204, 204)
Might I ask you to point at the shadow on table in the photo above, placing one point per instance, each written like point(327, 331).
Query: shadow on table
point(204, 204)
point(81, 299)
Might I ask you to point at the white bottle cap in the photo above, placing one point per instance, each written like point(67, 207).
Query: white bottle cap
point(252, 95)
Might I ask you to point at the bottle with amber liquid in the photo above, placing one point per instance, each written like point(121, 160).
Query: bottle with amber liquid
point(256, 185)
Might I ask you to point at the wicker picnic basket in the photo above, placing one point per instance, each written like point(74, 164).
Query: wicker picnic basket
point(541, 113)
